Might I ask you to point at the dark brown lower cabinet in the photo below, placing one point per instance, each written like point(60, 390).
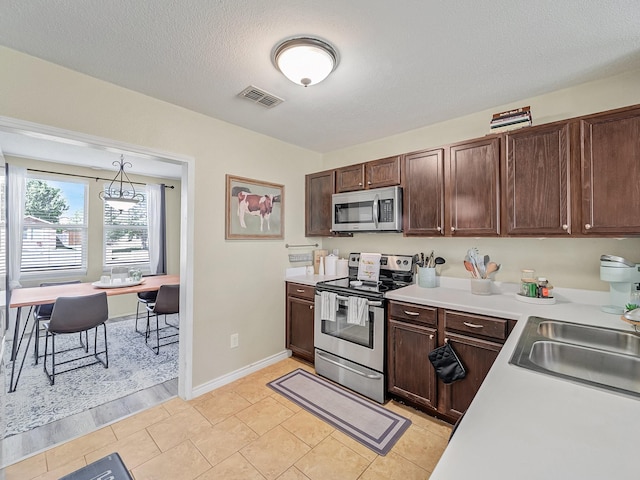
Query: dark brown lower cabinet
point(409, 370)
point(477, 356)
point(416, 330)
point(299, 321)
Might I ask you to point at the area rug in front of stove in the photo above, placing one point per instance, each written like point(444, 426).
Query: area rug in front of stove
point(369, 423)
point(132, 367)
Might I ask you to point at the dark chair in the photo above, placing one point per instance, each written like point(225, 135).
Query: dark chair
point(167, 303)
point(146, 299)
point(76, 315)
point(42, 313)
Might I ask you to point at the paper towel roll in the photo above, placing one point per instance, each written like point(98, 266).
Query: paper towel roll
point(342, 268)
point(330, 264)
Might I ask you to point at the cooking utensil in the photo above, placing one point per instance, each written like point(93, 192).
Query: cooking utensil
point(471, 268)
point(491, 268)
point(440, 261)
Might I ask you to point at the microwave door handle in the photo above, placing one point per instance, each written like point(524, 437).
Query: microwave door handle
point(376, 210)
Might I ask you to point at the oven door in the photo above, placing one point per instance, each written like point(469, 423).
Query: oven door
point(360, 344)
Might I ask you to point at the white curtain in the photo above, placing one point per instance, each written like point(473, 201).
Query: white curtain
point(157, 228)
point(15, 221)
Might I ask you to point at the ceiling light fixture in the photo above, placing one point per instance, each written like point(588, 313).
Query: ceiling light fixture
point(305, 60)
point(121, 199)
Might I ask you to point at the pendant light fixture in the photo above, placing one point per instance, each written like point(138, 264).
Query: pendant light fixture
point(125, 197)
point(305, 60)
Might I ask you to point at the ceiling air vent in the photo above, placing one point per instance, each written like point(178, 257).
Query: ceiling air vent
point(261, 97)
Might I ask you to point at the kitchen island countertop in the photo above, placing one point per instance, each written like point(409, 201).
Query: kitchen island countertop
point(526, 425)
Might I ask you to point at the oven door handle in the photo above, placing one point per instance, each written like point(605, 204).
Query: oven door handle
point(371, 304)
point(346, 367)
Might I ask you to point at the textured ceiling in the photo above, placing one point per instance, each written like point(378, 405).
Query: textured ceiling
point(403, 64)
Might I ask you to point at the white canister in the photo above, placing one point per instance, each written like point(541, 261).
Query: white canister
point(342, 268)
point(330, 262)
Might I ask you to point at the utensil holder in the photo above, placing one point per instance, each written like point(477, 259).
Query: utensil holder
point(427, 277)
point(481, 286)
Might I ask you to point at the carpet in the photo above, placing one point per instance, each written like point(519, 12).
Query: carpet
point(132, 367)
point(370, 424)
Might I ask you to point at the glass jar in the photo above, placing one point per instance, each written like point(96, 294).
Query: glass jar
point(527, 279)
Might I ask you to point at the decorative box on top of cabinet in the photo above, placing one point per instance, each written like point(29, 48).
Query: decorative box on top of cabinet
point(374, 174)
point(299, 320)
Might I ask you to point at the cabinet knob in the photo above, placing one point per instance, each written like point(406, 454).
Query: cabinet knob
point(453, 229)
point(430, 337)
point(439, 229)
point(310, 307)
point(587, 226)
point(368, 183)
point(359, 184)
point(565, 227)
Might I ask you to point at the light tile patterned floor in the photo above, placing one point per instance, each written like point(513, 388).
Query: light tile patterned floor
point(245, 431)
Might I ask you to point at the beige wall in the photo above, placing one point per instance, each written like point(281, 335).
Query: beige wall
point(121, 304)
point(238, 285)
point(570, 263)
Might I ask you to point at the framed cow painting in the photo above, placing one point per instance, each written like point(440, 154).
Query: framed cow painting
point(254, 209)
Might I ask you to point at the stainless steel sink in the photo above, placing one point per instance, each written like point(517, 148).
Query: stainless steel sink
point(596, 356)
point(588, 336)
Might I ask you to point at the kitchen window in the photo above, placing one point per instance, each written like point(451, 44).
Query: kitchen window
point(54, 232)
point(126, 235)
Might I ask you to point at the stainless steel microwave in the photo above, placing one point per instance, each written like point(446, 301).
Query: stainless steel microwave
point(374, 210)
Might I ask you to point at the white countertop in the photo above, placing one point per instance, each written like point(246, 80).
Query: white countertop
point(527, 425)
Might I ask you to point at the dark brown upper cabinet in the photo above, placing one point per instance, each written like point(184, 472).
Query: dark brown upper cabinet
point(536, 180)
point(423, 195)
point(377, 173)
point(472, 188)
point(318, 190)
point(610, 171)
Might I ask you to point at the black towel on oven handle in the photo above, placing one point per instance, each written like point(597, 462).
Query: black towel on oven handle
point(447, 364)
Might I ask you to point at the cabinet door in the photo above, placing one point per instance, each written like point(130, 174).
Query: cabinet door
point(423, 195)
point(350, 178)
point(473, 196)
point(383, 173)
point(300, 328)
point(477, 357)
point(319, 188)
point(610, 163)
point(536, 181)
point(411, 375)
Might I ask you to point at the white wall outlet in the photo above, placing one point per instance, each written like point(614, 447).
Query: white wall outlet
point(233, 342)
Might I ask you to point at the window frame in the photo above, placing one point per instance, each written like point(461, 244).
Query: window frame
point(106, 228)
point(74, 271)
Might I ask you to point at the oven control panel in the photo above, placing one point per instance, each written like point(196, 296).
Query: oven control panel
point(396, 263)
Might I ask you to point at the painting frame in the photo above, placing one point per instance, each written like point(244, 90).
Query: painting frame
point(254, 209)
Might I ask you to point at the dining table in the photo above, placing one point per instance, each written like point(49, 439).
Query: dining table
point(32, 296)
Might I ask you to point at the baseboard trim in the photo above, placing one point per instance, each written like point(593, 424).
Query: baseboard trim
point(238, 374)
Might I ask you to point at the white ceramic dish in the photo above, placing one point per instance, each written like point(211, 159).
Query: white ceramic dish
point(117, 285)
point(537, 301)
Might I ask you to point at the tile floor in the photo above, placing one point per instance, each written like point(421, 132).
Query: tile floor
point(246, 431)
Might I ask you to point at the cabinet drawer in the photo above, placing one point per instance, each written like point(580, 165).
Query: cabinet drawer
point(300, 290)
point(413, 313)
point(476, 325)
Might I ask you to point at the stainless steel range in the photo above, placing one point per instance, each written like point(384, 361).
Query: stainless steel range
point(350, 344)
